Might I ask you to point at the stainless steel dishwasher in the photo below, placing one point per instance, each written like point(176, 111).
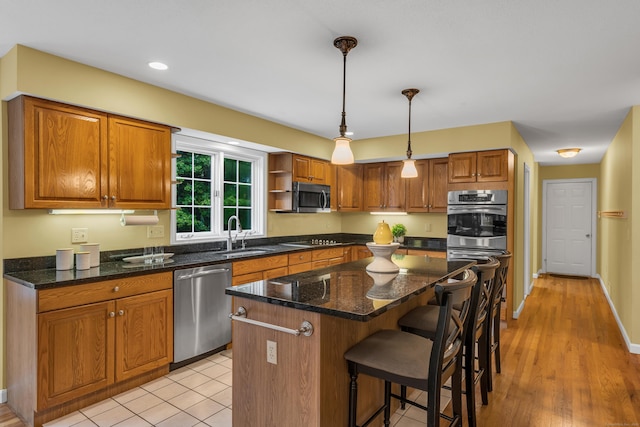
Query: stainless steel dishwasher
point(200, 310)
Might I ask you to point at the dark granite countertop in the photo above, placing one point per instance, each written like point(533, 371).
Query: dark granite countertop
point(40, 272)
point(349, 290)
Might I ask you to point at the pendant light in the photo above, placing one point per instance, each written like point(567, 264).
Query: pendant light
point(409, 168)
point(342, 154)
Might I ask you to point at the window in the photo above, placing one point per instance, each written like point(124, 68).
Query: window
point(213, 182)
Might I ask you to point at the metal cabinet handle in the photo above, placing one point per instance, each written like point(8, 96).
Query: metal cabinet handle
point(121, 313)
point(113, 198)
point(112, 314)
point(105, 197)
point(116, 289)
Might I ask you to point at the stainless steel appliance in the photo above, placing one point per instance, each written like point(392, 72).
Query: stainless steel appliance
point(477, 223)
point(200, 310)
point(309, 198)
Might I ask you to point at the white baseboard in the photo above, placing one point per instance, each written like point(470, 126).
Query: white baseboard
point(3, 395)
point(517, 313)
point(633, 348)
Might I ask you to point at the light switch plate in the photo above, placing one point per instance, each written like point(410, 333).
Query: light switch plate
point(79, 235)
point(154, 231)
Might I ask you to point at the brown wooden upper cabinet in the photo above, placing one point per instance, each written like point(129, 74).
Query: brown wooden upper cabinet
point(428, 192)
point(62, 156)
point(308, 169)
point(384, 189)
point(481, 166)
point(349, 188)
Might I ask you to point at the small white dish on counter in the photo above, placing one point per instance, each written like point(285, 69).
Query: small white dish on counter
point(142, 258)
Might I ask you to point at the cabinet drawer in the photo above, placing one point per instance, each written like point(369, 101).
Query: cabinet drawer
point(299, 268)
point(299, 257)
point(327, 253)
point(246, 278)
point(70, 296)
point(321, 263)
point(259, 264)
point(275, 272)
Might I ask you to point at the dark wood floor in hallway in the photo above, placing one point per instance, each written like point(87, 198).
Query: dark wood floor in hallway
point(564, 364)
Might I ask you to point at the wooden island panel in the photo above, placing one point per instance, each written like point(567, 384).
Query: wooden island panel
point(310, 384)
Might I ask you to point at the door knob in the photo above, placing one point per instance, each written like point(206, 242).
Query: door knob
point(588, 236)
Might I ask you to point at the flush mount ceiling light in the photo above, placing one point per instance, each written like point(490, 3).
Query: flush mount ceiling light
point(567, 153)
point(158, 66)
point(342, 154)
point(409, 168)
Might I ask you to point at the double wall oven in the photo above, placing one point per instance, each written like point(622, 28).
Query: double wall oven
point(477, 223)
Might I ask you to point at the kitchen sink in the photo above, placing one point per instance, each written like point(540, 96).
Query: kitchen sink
point(245, 252)
point(297, 245)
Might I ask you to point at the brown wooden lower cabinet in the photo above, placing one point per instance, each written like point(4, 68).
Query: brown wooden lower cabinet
point(69, 347)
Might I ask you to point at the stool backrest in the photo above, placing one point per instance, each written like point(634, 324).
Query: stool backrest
point(447, 343)
point(481, 296)
point(501, 278)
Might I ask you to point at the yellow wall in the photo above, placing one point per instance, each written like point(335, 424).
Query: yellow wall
point(617, 242)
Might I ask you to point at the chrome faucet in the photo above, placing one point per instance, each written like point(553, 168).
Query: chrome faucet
point(238, 230)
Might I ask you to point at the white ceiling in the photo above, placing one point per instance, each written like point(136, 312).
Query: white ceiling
point(564, 71)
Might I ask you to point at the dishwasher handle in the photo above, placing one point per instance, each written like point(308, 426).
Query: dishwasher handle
point(202, 273)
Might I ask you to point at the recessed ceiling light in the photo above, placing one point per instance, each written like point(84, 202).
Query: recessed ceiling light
point(158, 66)
point(233, 142)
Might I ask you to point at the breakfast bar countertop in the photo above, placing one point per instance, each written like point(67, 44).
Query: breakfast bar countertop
point(349, 290)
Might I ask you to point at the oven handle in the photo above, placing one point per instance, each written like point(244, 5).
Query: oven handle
point(478, 209)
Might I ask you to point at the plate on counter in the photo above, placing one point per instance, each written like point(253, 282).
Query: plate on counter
point(141, 258)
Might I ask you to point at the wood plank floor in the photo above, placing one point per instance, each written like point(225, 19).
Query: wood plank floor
point(564, 364)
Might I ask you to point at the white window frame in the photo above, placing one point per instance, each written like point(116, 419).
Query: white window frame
point(219, 151)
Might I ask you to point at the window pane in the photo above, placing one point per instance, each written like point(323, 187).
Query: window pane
point(244, 169)
point(245, 218)
point(230, 194)
point(183, 192)
point(230, 170)
point(202, 219)
point(244, 195)
point(184, 220)
point(202, 166)
point(202, 193)
point(183, 164)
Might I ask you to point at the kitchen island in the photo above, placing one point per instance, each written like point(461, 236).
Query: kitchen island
point(308, 385)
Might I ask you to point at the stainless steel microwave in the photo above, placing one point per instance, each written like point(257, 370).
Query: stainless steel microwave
point(309, 198)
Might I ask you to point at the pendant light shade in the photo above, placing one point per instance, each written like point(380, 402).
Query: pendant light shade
point(342, 154)
point(409, 168)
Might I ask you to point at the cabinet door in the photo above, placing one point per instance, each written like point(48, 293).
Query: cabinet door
point(75, 352)
point(139, 164)
point(492, 166)
point(301, 168)
point(58, 155)
point(319, 171)
point(144, 333)
point(438, 180)
point(395, 188)
point(462, 167)
point(418, 188)
point(374, 188)
point(349, 183)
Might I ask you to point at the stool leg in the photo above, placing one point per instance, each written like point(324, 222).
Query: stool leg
point(387, 403)
point(353, 398)
point(403, 395)
point(469, 383)
point(483, 366)
point(456, 392)
point(496, 339)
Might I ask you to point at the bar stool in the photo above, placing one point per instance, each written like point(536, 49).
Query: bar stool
point(410, 360)
point(493, 326)
point(420, 321)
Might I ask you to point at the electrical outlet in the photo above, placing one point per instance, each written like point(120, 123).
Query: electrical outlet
point(154, 231)
point(79, 235)
point(272, 352)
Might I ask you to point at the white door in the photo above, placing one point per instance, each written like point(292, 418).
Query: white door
point(569, 227)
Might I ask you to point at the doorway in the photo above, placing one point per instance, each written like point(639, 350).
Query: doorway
point(527, 283)
point(569, 224)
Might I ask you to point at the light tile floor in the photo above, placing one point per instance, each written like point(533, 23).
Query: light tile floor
point(195, 395)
